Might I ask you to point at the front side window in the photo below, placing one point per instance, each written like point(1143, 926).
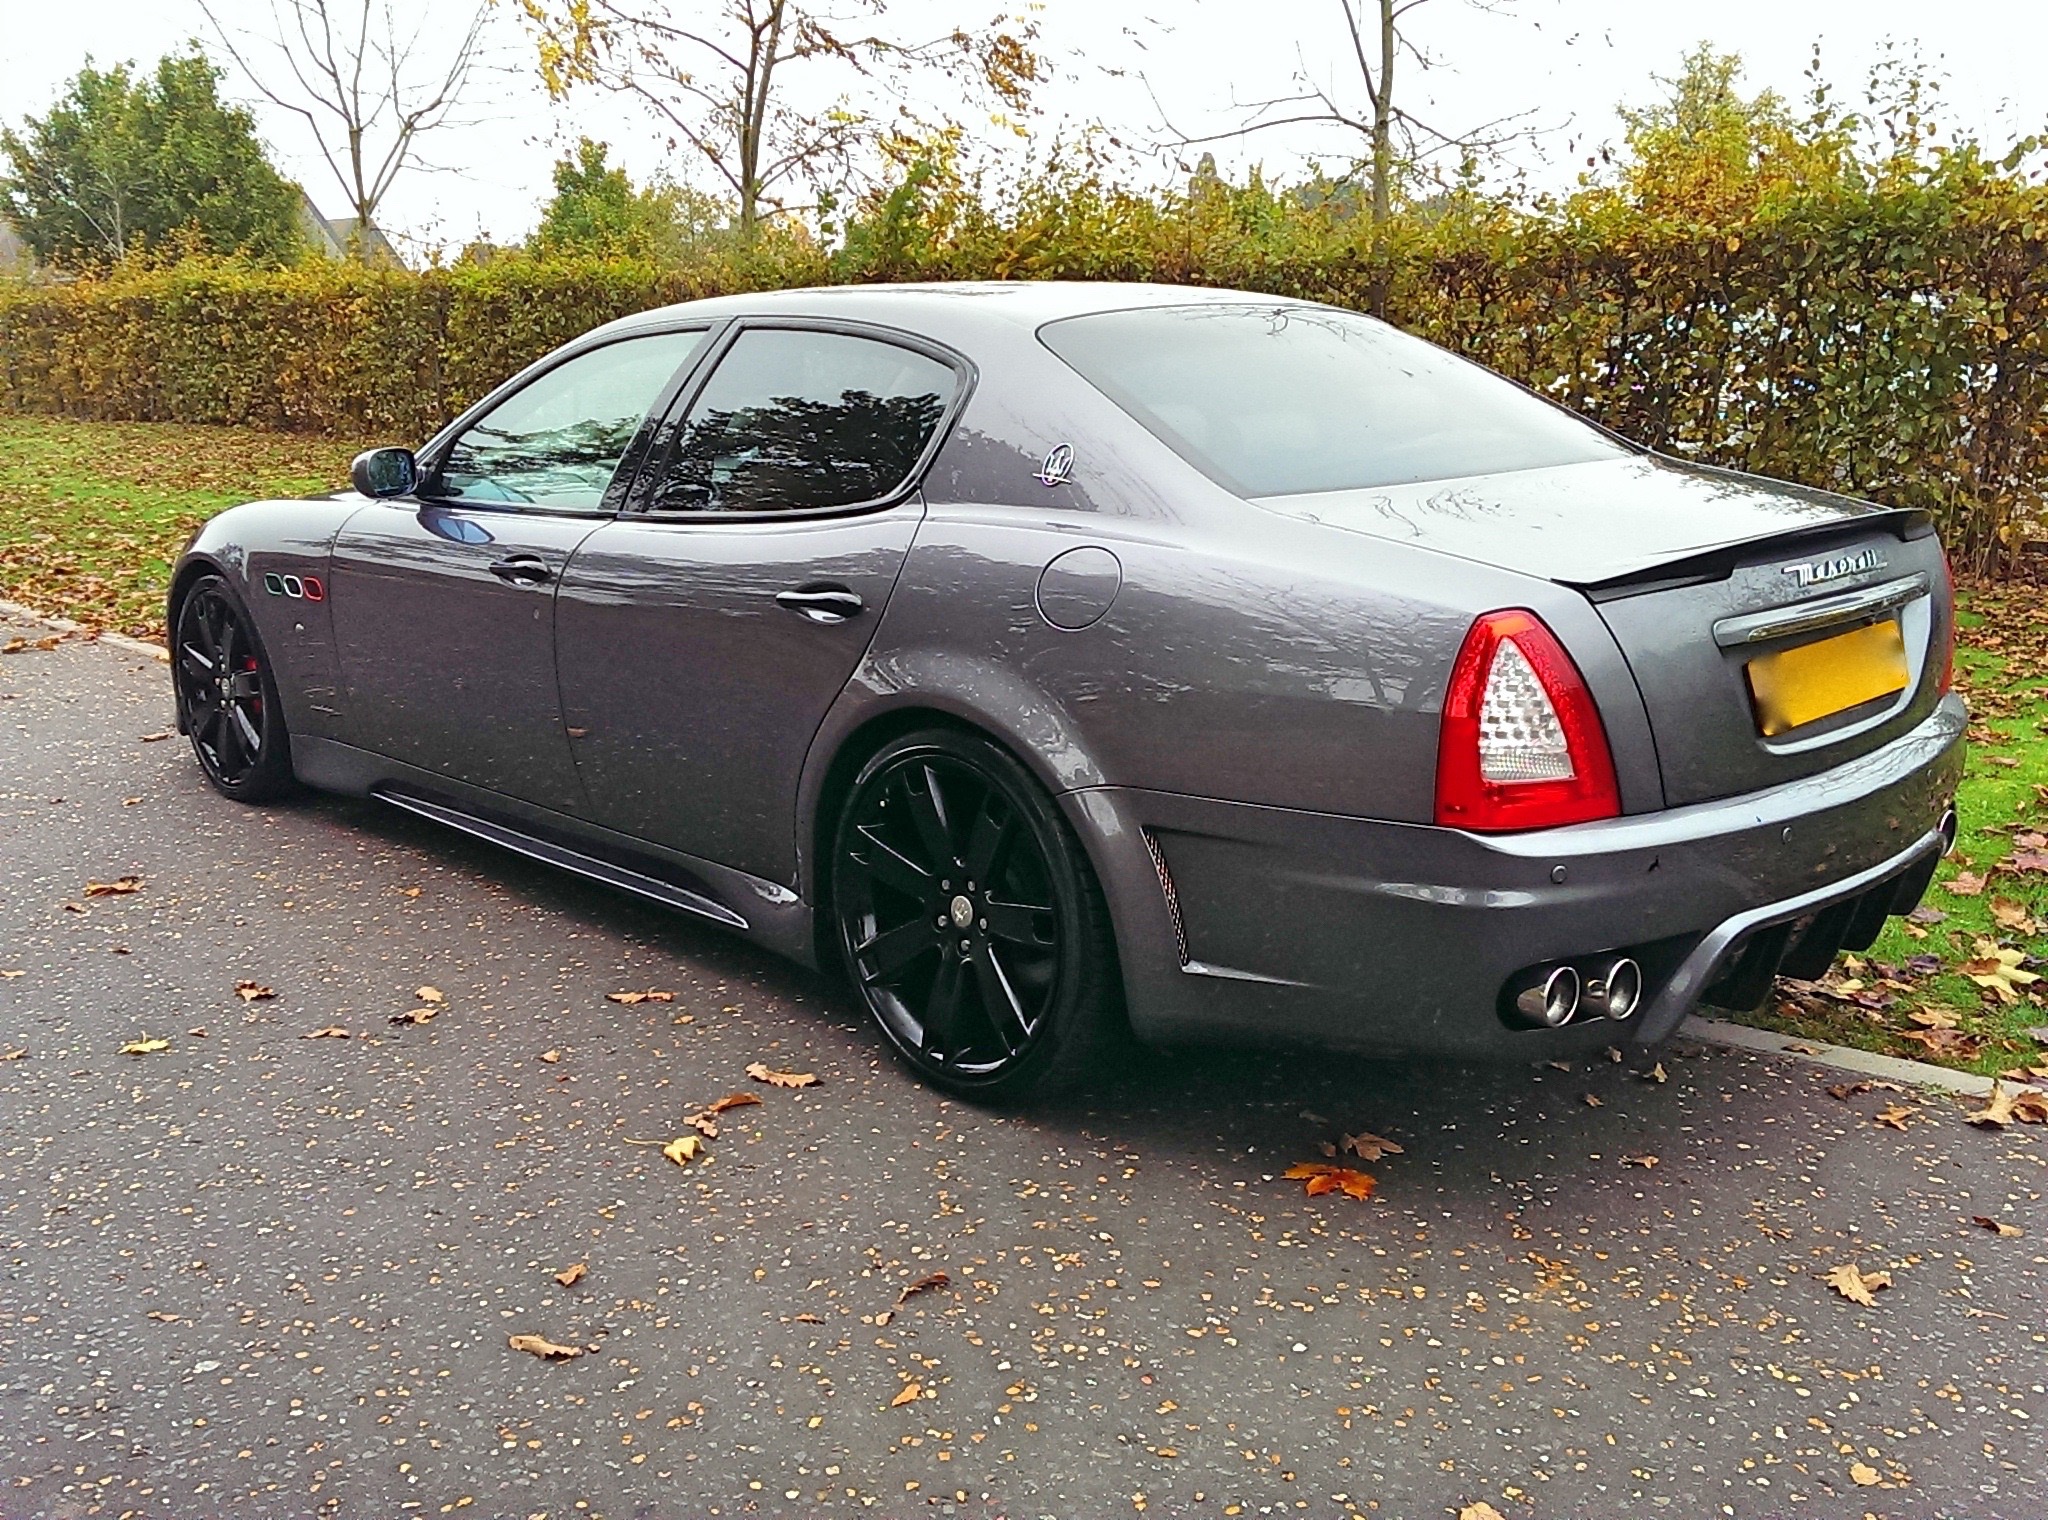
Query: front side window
point(1273, 400)
point(793, 420)
point(556, 442)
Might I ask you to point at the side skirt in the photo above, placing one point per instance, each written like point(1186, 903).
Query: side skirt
point(766, 912)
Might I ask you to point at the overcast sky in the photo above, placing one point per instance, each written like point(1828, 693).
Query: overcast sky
point(1566, 61)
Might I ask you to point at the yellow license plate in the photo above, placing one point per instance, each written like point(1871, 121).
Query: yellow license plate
point(1799, 685)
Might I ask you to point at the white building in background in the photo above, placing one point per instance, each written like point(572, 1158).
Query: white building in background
point(331, 236)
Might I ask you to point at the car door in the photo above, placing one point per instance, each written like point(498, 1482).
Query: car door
point(443, 601)
point(702, 636)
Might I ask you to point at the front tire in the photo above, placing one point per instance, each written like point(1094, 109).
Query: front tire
point(970, 921)
point(227, 696)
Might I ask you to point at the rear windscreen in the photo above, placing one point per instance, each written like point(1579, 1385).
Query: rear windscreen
point(1278, 400)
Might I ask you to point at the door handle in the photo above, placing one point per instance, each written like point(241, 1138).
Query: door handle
point(523, 570)
point(822, 604)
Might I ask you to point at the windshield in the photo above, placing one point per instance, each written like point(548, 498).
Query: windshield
point(1279, 400)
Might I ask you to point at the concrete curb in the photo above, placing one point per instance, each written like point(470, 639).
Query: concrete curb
point(1862, 1063)
point(120, 641)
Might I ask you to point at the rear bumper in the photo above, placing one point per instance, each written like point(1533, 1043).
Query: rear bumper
point(1252, 923)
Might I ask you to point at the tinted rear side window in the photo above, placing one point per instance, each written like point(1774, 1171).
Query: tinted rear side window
point(794, 420)
point(1277, 400)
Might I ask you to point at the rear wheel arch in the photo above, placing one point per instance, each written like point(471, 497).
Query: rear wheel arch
point(1091, 1024)
point(859, 746)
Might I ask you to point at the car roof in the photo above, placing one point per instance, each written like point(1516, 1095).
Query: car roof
point(947, 308)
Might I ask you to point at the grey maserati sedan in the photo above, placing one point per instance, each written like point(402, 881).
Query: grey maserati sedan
point(1069, 661)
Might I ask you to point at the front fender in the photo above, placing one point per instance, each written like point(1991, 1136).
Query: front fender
point(265, 549)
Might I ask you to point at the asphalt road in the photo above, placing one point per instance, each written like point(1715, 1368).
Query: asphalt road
point(260, 1274)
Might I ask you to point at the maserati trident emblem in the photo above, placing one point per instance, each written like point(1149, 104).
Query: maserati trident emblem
point(962, 912)
point(1058, 468)
point(1816, 572)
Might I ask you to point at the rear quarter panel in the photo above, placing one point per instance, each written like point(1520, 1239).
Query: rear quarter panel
point(1246, 655)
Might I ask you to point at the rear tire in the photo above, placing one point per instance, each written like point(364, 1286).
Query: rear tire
point(971, 923)
point(227, 697)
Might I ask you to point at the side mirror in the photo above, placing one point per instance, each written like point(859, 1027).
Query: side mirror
point(384, 472)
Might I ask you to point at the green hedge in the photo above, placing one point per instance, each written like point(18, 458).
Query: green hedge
point(1880, 333)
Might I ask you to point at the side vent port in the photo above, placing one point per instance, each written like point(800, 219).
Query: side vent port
point(1180, 929)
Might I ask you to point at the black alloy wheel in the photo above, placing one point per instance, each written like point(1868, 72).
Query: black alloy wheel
point(970, 920)
point(227, 699)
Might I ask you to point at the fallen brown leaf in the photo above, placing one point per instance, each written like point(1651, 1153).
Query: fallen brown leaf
point(163, 1317)
point(1996, 1226)
point(14, 1053)
point(907, 1394)
point(2006, 1104)
point(930, 1282)
point(542, 1347)
point(1934, 1018)
point(1964, 884)
point(252, 992)
point(1645, 1162)
point(1480, 1511)
point(430, 995)
point(568, 1277)
point(144, 1047)
point(331, 1032)
point(2008, 914)
point(1594, 1100)
point(1855, 1285)
point(1658, 1074)
point(120, 886)
point(415, 1016)
point(705, 1119)
point(683, 1149)
point(1895, 1115)
point(761, 1072)
point(1318, 1178)
point(1945, 1042)
point(551, 1056)
point(1863, 1475)
point(1367, 1146)
point(652, 995)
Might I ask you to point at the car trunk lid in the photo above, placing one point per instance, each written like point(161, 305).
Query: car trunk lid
point(1773, 631)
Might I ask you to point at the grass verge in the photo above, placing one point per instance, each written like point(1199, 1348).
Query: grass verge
point(93, 514)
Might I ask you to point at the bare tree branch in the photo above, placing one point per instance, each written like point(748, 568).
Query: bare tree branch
point(722, 80)
point(347, 70)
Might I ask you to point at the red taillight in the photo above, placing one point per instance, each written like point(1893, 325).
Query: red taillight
point(1522, 745)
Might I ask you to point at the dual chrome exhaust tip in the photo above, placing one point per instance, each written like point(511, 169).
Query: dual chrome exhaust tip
point(1611, 990)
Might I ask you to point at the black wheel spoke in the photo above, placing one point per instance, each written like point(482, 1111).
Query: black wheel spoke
point(989, 841)
point(893, 949)
point(942, 1007)
point(928, 814)
point(890, 868)
point(207, 729)
point(250, 735)
point(999, 1001)
point(1018, 923)
point(194, 663)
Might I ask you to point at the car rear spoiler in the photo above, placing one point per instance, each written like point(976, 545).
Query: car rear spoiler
point(1717, 564)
